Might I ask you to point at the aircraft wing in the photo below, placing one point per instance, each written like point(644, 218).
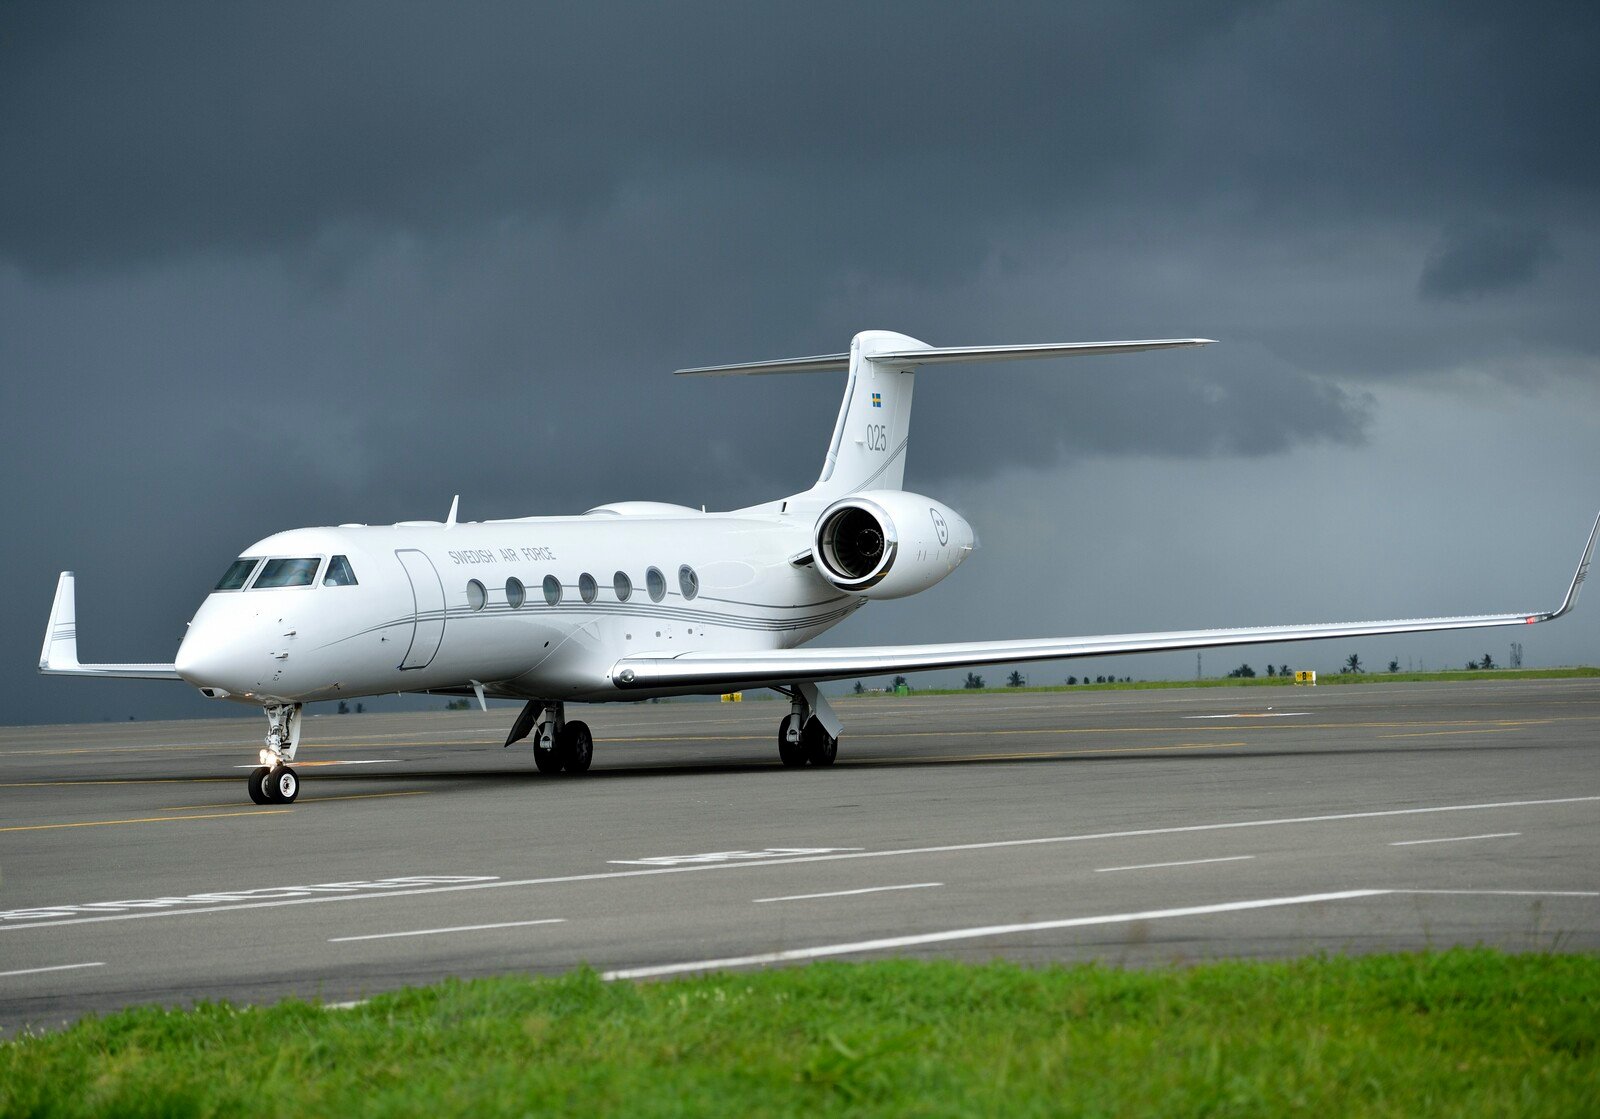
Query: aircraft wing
point(728, 671)
point(59, 657)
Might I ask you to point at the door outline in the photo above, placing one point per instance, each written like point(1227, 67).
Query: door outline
point(427, 608)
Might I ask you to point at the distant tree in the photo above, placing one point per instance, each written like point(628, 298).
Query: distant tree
point(1272, 670)
point(1099, 679)
point(1072, 679)
point(1244, 671)
point(899, 681)
point(860, 687)
point(1473, 665)
point(1015, 680)
point(344, 708)
point(1283, 670)
point(973, 681)
point(1488, 661)
point(1352, 664)
point(361, 709)
point(1394, 666)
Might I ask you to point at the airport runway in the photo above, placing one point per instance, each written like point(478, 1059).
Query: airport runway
point(1132, 827)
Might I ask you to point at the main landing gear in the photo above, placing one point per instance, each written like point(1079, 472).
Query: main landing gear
point(559, 746)
point(809, 734)
point(273, 782)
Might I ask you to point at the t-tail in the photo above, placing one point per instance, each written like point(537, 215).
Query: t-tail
point(872, 435)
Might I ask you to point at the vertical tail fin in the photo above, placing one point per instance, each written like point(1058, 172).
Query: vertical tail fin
point(873, 431)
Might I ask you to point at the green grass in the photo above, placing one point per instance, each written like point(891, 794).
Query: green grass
point(1339, 678)
point(1460, 1032)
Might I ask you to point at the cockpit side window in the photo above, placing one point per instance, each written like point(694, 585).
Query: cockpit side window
point(339, 573)
point(236, 575)
point(287, 573)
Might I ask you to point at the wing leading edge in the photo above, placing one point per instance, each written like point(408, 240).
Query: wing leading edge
point(786, 666)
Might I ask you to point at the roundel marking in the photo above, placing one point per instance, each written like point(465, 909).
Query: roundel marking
point(940, 527)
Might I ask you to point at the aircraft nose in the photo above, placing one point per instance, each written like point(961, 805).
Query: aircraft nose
point(209, 660)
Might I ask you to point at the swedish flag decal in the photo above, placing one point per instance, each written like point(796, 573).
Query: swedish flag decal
point(877, 400)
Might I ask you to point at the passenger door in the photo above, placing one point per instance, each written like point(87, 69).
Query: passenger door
point(427, 593)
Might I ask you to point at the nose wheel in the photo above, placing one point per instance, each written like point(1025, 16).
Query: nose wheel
point(276, 784)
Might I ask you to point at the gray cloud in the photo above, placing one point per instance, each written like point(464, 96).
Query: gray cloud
point(1469, 263)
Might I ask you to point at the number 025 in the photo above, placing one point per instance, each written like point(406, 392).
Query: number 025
point(877, 437)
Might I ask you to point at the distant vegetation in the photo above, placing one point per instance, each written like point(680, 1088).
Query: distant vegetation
point(1282, 678)
point(1461, 1032)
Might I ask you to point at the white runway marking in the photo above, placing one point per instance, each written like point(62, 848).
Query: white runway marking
point(947, 848)
point(1456, 838)
point(437, 932)
point(892, 942)
point(729, 856)
point(1251, 715)
point(1185, 862)
point(303, 762)
point(57, 967)
point(851, 893)
point(351, 1005)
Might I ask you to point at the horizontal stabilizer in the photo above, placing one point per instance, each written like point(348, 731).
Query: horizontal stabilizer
point(59, 657)
point(947, 355)
point(728, 671)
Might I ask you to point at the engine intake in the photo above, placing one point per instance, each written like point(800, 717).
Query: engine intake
point(889, 543)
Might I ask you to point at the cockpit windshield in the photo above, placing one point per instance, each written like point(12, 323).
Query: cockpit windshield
point(238, 571)
point(339, 573)
point(287, 573)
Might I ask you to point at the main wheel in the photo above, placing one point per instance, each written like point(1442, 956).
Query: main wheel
point(576, 746)
point(551, 760)
point(820, 746)
point(282, 785)
point(791, 754)
point(257, 784)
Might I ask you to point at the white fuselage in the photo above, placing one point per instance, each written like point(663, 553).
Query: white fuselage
point(414, 620)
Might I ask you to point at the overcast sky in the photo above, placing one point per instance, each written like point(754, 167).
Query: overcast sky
point(264, 266)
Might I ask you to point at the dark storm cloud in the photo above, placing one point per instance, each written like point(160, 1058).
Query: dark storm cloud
point(1473, 262)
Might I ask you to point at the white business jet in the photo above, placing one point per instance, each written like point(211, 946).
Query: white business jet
point(637, 599)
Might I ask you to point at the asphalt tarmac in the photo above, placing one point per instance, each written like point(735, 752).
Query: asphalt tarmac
point(1127, 827)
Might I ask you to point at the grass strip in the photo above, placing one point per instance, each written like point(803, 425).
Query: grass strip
point(1458, 1032)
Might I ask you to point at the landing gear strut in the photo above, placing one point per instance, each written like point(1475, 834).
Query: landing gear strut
point(809, 734)
point(273, 782)
point(558, 745)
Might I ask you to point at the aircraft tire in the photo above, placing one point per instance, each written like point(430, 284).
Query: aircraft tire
point(821, 747)
point(257, 784)
point(282, 785)
point(790, 754)
point(577, 747)
point(549, 761)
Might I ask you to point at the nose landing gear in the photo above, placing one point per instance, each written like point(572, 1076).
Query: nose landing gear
point(273, 781)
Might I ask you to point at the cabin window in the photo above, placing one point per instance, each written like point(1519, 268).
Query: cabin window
point(476, 595)
point(552, 589)
point(287, 573)
point(339, 573)
point(516, 593)
point(688, 581)
point(587, 588)
point(656, 584)
point(237, 575)
point(622, 585)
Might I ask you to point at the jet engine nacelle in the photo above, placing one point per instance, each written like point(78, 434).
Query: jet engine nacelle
point(889, 543)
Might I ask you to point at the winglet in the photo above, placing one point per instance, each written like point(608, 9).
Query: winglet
point(59, 657)
point(1578, 576)
point(60, 652)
